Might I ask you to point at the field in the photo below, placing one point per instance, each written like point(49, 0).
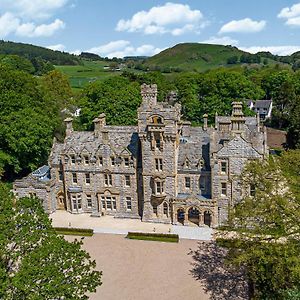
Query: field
point(90, 71)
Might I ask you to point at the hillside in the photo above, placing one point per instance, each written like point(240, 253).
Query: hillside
point(32, 52)
point(201, 57)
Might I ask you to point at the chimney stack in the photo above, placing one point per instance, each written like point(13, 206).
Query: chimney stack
point(205, 116)
point(69, 126)
point(99, 124)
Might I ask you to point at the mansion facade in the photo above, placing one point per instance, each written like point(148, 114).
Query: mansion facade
point(162, 170)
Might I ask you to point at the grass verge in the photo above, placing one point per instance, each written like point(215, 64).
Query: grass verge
point(158, 237)
point(74, 231)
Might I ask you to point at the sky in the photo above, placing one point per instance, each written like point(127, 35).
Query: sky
point(118, 28)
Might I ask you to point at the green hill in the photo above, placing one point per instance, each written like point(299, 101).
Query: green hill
point(32, 52)
point(201, 57)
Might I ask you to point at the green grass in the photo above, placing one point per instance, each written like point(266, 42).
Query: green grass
point(196, 56)
point(74, 231)
point(157, 237)
point(90, 71)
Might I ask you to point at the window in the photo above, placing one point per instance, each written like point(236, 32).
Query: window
point(128, 203)
point(159, 187)
point(100, 160)
point(202, 184)
point(223, 167)
point(87, 178)
point(188, 182)
point(155, 209)
point(60, 175)
point(73, 159)
point(108, 203)
point(223, 189)
point(112, 160)
point(127, 180)
point(166, 210)
point(157, 143)
point(158, 164)
point(76, 201)
point(86, 160)
point(74, 177)
point(252, 189)
point(108, 179)
point(89, 201)
point(126, 161)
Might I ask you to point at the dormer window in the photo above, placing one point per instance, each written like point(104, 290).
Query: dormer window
point(126, 161)
point(223, 167)
point(187, 164)
point(73, 160)
point(86, 159)
point(112, 160)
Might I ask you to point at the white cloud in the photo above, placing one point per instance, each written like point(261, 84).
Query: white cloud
point(278, 50)
point(32, 9)
point(43, 30)
point(224, 40)
point(123, 48)
point(8, 24)
point(58, 47)
point(246, 25)
point(291, 14)
point(174, 18)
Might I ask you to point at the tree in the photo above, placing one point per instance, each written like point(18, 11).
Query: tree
point(36, 263)
point(265, 227)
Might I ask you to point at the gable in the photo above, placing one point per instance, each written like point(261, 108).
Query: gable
point(238, 147)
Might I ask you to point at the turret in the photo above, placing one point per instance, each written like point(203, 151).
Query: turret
point(149, 94)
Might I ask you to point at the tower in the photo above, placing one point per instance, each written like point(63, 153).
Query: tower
point(158, 129)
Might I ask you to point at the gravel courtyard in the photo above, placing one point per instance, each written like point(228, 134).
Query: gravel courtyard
point(144, 270)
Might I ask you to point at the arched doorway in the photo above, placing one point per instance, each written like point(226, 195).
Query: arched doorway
point(180, 216)
point(60, 201)
point(194, 215)
point(207, 218)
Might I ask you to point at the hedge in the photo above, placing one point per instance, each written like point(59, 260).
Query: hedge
point(161, 237)
point(74, 231)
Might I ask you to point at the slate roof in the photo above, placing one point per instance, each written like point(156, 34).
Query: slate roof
point(262, 104)
point(194, 148)
point(121, 139)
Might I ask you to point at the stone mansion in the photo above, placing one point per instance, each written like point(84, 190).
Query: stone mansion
point(162, 170)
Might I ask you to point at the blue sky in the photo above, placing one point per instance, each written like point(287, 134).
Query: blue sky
point(145, 27)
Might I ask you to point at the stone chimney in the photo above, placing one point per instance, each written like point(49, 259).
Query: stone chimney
point(205, 117)
point(149, 94)
point(237, 117)
point(258, 122)
point(69, 126)
point(99, 124)
point(186, 126)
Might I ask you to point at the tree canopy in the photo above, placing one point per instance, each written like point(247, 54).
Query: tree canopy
point(36, 263)
point(266, 224)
